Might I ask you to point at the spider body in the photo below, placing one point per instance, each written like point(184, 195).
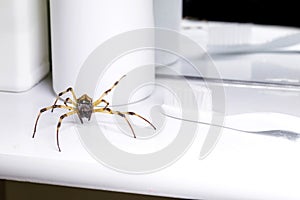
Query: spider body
point(84, 107)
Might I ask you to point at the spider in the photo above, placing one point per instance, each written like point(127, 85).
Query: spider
point(84, 107)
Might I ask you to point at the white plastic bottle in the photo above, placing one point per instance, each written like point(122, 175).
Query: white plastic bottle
point(24, 53)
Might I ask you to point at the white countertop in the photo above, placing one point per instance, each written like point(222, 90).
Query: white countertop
point(242, 166)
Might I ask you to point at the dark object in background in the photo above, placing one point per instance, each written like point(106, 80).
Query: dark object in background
point(249, 11)
point(2, 189)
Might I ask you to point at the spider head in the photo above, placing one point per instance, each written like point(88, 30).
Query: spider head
point(85, 106)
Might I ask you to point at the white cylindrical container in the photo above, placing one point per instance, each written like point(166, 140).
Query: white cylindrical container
point(78, 27)
point(167, 15)
point(24, 57)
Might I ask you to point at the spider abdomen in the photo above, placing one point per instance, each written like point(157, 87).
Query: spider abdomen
point(85, 107)
point(85, 110)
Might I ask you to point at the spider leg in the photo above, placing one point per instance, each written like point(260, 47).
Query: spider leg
point(109, 111)
point(134, 114)
point(48, 108)
point(104, 101)
point(98, 101)
point(62, 93)
point(59, 124)
point(68, 100)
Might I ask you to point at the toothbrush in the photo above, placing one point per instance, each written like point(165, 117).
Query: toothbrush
point(231, 39)
point(271, 46)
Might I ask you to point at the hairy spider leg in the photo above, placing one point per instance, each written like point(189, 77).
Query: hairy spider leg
point(109, 111)
point(64, 92)
point(45, 109)
point(99, 100)
point(59, 124)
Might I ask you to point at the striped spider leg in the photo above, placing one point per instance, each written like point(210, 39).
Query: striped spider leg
point(123, 114)
point(73, 111)
point(67, 100)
